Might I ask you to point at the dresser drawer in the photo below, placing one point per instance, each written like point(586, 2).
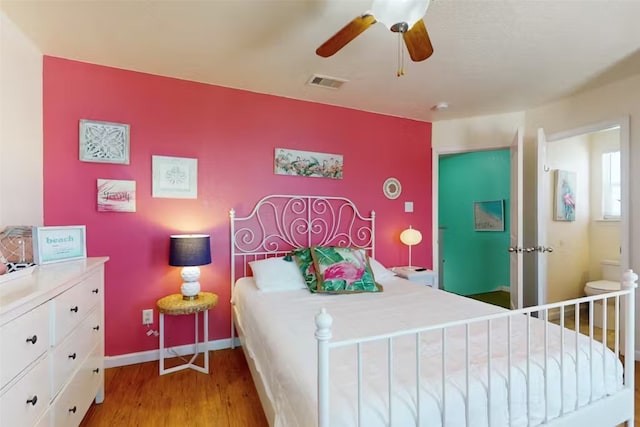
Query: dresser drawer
point(23, 340)
point(74, 400)
point(27, 399)
point(73, 305)
point(73, 351)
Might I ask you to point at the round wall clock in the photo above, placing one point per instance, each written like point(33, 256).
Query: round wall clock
point(392, 188)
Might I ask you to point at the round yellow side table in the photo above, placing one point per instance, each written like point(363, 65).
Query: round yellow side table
point(175, 305)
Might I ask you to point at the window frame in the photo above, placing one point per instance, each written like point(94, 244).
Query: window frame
point(610, 186)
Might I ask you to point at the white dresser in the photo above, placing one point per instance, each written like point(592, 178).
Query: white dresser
point(52, 344)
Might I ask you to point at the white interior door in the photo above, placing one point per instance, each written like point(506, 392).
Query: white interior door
point(515, 241)
point(543, 185)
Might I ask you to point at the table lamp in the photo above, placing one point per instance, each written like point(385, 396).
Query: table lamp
point(410, 237)
point(190, 251)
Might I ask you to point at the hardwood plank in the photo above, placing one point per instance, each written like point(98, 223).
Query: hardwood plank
point(136, 395)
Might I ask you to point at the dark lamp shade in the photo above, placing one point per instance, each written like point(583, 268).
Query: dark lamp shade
point(187, 250)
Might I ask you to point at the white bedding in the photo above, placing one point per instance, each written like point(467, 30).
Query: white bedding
point(279, 331)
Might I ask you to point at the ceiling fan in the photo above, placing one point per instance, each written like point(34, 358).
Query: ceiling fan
point(400, 16)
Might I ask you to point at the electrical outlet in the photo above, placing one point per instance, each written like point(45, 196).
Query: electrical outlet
point(147, 316)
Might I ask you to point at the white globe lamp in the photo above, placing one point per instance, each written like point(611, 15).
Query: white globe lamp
point(410, 237)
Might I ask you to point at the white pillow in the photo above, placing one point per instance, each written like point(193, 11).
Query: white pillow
point(276, 274)
point(380, 272)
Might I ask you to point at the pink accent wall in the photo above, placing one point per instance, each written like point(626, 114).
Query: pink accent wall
point(233, 134)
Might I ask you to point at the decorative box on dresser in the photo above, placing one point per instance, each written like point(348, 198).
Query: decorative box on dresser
point(52, 344)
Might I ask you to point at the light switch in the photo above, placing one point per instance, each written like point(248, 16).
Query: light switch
point(408, 206)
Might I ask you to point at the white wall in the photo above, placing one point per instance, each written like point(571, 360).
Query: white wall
point(475, 132)
point(606, 103)
point(21, 142)
point(568, 266)
point(609, 102)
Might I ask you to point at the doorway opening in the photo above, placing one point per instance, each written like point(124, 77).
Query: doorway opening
point(585, 227)
point(474, 199)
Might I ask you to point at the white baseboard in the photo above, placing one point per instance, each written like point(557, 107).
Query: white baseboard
point(152, 355)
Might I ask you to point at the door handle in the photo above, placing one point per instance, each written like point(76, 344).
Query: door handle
point(539, 248)
point(513, 249)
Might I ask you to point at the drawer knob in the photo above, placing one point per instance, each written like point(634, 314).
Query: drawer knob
point(33, 400)
point(74, 409)
point(96, 328)
point(96, 371)
point(74, 309)
point(95, 291)
point(33, 339)
point(72, 356)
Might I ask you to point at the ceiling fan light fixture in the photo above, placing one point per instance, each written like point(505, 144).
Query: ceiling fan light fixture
point(393, 12)
point(403, 17)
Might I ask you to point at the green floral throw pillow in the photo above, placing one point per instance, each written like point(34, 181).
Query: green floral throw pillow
point(343, 270)
point(305, 264)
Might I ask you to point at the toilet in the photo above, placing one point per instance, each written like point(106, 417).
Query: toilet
point(610, 282)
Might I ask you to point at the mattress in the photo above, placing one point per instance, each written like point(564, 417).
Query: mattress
point(279, 328)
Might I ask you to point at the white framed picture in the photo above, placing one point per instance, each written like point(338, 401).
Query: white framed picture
point(308, 163)
point(116, 195)
point(104, 142)
point(55, 244)
point(175, 177)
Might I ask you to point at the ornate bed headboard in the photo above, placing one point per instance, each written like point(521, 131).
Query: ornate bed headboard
point(280, 223)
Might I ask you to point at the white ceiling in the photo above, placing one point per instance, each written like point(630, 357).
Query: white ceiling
point(491, 56)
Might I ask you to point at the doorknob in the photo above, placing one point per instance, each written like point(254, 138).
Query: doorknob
point(514, 249)
point(540, 249)
point(531, 249)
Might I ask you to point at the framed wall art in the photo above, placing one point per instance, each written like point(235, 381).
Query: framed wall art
point(308, 163)
point(55, 244)
point(564, 206)
point(392, 188)
point(175, 177)
point(116, 195)
point(104, 142)
point(488, 215)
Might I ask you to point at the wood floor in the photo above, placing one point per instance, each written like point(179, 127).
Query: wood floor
point(137, 396)
point(499, 298)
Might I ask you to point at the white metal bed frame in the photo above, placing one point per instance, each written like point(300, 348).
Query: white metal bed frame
point(280, 223)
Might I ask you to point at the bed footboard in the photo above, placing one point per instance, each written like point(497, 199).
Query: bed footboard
point(525, 367)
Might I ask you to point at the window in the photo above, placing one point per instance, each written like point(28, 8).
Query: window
point(611, 189)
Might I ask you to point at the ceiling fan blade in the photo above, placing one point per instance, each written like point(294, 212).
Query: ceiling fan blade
point(345, 35)
point(418, 42)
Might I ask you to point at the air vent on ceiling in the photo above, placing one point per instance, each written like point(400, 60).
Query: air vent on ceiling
point(326, 81)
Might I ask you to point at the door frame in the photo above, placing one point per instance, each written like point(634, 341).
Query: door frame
point(436, 152)
point(541, 169)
